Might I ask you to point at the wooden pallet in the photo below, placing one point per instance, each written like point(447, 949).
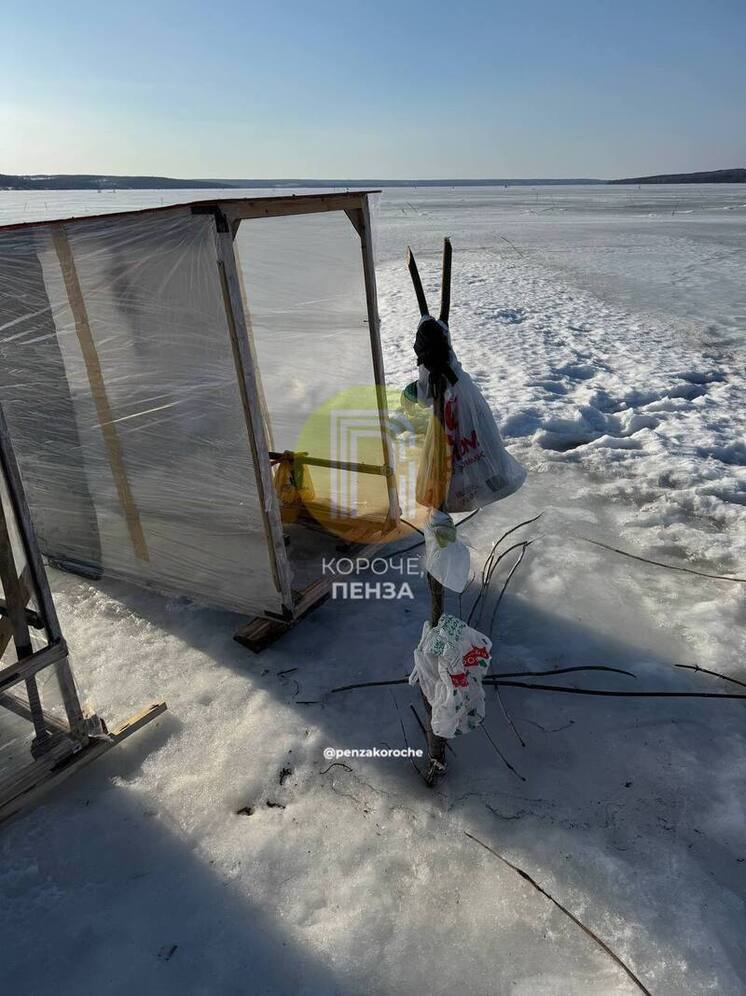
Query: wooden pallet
point(42, 775)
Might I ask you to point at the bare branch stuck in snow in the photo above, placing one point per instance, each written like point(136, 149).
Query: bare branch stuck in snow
point(591, 933)
point(659, 563)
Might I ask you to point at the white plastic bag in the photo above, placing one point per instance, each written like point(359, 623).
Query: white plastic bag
point(464, 462)
point(446, 556)
point(449, 663)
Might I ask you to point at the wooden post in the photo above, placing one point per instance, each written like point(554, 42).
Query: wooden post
point(242, 356)
point(436, 745)
point(374, 328)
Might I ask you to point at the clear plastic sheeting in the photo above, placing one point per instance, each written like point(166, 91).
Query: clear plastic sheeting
point(304, 286)
point(120, 388)
point(306, 296)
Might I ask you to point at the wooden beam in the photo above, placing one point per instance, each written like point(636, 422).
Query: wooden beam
point(6, 623)
point(15, 704)
point(34, 563)
point(34, 577)
point(16, 597)
point(269, 207)
point(29, 666)
point(98, 390)
point(374, 329)
point(246, 375)
point(356, 217)
point(304, 458)
point(39, 777)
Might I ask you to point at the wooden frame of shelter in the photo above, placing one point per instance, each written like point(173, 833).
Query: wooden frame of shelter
point(66, 740)
point(228, 214)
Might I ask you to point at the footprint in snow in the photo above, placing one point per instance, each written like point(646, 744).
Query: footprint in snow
point(576, 371)
point(551, 386)
point(511, 316)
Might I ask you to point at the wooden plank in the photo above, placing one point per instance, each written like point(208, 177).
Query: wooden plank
point(26, 776)
point(270, 207)
point(259, 633)
point(15, 704)
point(6, 625)
point(245, 370)
point(34, 577)
point(40, 778)
point(34, 563)
point(358, 468)
point(374, 328)
point(29, 666)
point(184, 208)
point(15, 596)
point(95, 374)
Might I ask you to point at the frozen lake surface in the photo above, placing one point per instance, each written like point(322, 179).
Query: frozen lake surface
point(606, 327)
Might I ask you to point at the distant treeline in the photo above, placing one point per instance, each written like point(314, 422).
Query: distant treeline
point(711, 176)
point(99, 182)
point(84, 181)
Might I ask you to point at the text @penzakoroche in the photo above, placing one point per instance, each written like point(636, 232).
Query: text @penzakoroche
point(336, 753)
point(345, 568)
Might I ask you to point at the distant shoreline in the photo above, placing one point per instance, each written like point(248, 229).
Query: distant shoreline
point(98, 181)
point(710, 176)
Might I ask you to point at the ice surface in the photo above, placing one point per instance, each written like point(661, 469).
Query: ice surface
point(628, 412)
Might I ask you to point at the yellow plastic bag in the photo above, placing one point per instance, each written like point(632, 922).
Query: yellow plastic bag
point(434, 471)
point(293, 486)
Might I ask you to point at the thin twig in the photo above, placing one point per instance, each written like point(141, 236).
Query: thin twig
point(587, 930)
point(336, 764)
point(495, 545)
point(508, 720)
point(608, 691)
point(500, 754)
point(715, 674)
point(513, 569)
point(491, 679)
point(404, 734)
point(659, 563)
point(370, 684)
point(488, 577)
point(511, 245)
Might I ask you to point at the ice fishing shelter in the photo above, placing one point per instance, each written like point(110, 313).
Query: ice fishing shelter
point(44, 732)
point(157, 364)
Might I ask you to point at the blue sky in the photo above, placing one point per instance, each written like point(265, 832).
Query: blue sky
point(410, 89)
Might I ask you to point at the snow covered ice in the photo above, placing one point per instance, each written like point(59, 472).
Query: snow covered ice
point(605, 326)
